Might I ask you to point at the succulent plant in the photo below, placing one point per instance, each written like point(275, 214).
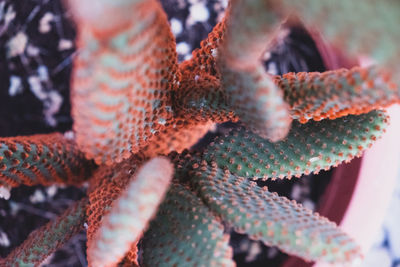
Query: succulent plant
point(137, 112)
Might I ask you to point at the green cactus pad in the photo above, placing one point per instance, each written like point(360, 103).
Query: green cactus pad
point(275, 220)
point(42, 242)
point(308, 148)
point(42, 159)
point(130, 213)
point(337, 93)
point(185, 233)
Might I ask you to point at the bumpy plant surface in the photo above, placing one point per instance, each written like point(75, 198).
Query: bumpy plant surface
point(136, 111)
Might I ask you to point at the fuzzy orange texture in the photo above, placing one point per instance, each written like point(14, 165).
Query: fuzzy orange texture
point(127, 108)
point(338, 93)
point(42, 159)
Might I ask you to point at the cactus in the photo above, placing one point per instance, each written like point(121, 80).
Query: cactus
point(308, 147)
point(130, 213)
point(272, 219)
point(126, 98)
point(47, 239)
point(183, 217)
point(42, 159)
point(334, 94)
point(132, 103)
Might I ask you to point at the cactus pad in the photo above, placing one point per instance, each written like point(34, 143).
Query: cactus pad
point(224, 85)
point(308, 148)
point(337, 93)
point(105, 187)
point(275, 220)
point(250, 25)
point(185, 233)
point(122, 85)
point(130, 213)
point(257, 101)
point(47, 239)
point(180, 134)
point(42, 159)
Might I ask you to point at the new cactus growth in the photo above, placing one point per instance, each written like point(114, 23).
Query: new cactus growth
point(136, 112)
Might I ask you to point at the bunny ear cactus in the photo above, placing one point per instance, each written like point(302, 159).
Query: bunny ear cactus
point(308, 147)
point(130, 213)
point(123, 81)
point(185, 232)
point(274, 220)
point(42, 159)
point(47, 239)
point(133, 105)
point(249, 88)
point(337, 93)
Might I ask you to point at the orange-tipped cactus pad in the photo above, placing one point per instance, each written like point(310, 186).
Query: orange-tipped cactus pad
point(222, 84)
point(106, 186)
point(130, 213)
point(204, 59)
point(42, 159)
point(122, 85)
point(177, 136)
point(185, 233)
point(337, 93)
point(275, 220)
point(42, 242)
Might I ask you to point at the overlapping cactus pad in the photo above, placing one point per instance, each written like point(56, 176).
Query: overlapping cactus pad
point(308, 147)
point(272, 219)
point(133, 105)
point(130, 213)
point(183, 217)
